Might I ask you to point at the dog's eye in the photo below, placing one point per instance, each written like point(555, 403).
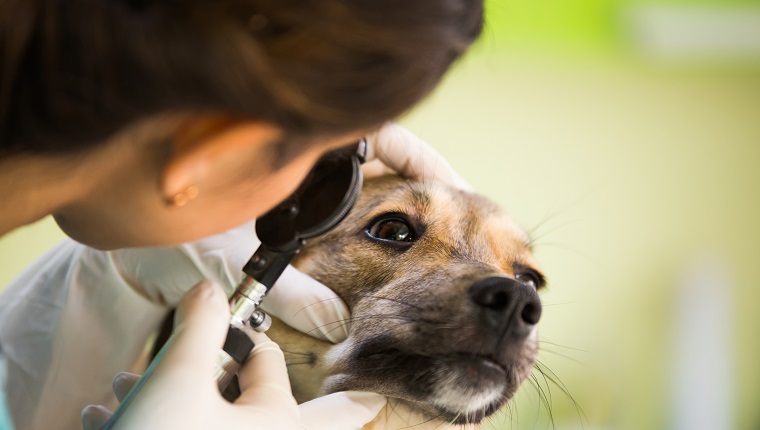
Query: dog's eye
point(393, 229)
point(529, 279)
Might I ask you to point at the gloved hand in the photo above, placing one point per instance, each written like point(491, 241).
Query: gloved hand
point(181, 394)
point(394, 149)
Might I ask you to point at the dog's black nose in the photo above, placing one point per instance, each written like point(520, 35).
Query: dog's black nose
point(503, 301)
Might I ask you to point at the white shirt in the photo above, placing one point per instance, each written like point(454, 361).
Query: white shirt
point(77, 316)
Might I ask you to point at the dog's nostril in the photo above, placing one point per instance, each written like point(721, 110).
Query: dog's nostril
point(493, 299)
point(531, 313)
point(490, 293)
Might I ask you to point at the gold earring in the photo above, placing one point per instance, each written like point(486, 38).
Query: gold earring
point(183, 197)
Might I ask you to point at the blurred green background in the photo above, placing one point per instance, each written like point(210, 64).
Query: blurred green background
point(625, 135)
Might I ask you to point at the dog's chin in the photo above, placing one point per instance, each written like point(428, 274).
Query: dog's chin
point(468, 388)
point(460, 388)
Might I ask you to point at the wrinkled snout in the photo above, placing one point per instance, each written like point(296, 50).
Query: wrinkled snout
point(506, 305)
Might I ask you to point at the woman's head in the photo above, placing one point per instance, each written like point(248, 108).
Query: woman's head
point(75, 72)
point(311, 74)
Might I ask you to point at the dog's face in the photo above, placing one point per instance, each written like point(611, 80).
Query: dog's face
point(442, 289)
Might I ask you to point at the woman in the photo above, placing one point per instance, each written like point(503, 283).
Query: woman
point(139, 123)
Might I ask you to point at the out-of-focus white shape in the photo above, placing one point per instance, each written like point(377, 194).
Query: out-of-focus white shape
point(711, 33)
point(703, 347)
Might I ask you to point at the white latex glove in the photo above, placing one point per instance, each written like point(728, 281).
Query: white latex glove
point(394, 149)
point(181, 392)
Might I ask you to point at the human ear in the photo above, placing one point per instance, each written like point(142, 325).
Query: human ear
point(208, 152)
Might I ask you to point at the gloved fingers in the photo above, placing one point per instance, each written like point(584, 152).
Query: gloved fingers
point(201, 324)
point(342, 411)
point(375, 168)
point(94, 417)
point(264, 378)
point(181, 380)
point(122, 383)
point(410, 157)
point(308, 306)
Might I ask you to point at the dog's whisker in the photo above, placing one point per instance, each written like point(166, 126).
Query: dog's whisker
point(549, 375)
point(565, 356)
point(517, 413)
point(366, 317)
point(365, 341)
point(340, 323)
point(319, 302)
point(455, 419)
point(512, 413)
point(379, 316)
point(557, 212)
point(558, 304)
point(379, 368)
point(420, 374)
point(547, 342)
point(307, 354)
point(374, 296)
point(576, 251)
point(533, 380)
point(437, 417)
point(288, 364)
point(393, 411)
point(548, 391)
point(544, 399)
point(534, 239)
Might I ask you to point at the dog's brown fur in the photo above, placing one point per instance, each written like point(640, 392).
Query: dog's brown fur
point(416, 333)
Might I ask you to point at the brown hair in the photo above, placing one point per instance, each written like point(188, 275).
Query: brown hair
point(74, 72)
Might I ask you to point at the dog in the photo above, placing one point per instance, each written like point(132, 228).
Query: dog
point(442, 288)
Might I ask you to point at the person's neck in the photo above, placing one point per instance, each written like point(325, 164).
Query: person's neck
point(33, 186)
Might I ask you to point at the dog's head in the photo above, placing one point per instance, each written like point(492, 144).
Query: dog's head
point(442, 289)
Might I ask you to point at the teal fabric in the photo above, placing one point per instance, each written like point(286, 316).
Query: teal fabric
point(5, 416)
